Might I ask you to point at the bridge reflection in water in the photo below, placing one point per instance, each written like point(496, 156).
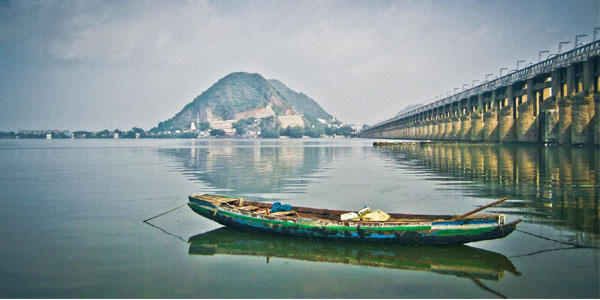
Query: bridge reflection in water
point(559, 185)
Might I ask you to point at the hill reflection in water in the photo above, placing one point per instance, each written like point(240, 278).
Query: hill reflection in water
point(254, 166)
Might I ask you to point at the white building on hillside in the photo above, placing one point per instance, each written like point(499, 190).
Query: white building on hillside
point(226, 126)
point(291, 121)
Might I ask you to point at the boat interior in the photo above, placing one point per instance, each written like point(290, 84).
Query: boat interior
point(261, 208)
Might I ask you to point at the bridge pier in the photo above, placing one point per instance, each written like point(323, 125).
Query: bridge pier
point(430, 130)
point(383, 134)
point(526, 126)
point(550, 120)
point(506, 131)
point(442, 129)
point(416, 131)
point(435, 129)
point(477, 126)
point(454, 136)
point(597, 117)
point(581, 126)
point(526, 129)
point(490, 128)
point(448, 131)
point(564, 121)
point(465, 128)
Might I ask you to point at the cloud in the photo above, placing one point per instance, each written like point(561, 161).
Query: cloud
point(152, 58)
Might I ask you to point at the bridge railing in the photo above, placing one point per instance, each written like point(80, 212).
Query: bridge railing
point(558, 61)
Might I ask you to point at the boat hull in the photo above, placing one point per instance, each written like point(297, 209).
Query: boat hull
point(446, 232)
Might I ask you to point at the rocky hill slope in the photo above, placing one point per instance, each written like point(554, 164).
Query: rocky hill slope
point(243, 95)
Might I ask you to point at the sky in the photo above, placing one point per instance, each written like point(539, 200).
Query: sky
point(93, 65)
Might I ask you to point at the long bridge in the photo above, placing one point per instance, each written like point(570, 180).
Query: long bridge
point(553, 101)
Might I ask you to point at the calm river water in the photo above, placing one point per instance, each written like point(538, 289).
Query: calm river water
point(71, 216)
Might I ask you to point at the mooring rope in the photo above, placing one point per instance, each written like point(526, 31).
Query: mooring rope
point(541, 251)
point(484, 287)
point(159, 228)
point(557, 241)
point(166, 232)
point(146, 221)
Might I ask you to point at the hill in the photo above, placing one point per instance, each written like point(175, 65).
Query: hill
point(243, 95)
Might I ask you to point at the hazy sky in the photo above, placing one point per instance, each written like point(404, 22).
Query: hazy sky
point(116, 64)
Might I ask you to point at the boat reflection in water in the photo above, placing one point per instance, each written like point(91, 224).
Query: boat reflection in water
point(461, 261)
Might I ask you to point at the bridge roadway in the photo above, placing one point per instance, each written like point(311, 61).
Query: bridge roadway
point(553, 101)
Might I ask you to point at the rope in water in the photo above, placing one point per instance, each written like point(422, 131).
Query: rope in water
point(146, 221)
point(166, 232)
point(541, 251)
point(557, 241)
point(159, 228)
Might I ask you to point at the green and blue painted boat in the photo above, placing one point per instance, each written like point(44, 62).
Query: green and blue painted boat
point(401, 229)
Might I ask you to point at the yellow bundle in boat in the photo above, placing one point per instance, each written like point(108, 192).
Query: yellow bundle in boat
point(376, 215)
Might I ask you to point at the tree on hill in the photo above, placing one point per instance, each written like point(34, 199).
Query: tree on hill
point(267, 123)
point(188, 135)
point(241, 126)
point(293, 132)
point(344, 130)
point(104, 134)
point(268, 128)
point(217, 132)
point(203, 126)
point(7, 134)
point(129, 135)
point(80, 133)
point(314, 132)
point(269, 133)
point(119, 132)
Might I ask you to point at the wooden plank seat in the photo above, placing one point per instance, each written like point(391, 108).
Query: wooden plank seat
point(218, 200)
point(283, 213)
point(261, 211)
point(248, 208)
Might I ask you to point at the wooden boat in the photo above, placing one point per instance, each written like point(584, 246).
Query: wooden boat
point(403, 229)
point(460, 260)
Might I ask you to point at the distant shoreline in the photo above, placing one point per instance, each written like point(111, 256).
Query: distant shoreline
point(171, 138)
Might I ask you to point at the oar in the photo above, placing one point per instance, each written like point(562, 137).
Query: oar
point(480, 208)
